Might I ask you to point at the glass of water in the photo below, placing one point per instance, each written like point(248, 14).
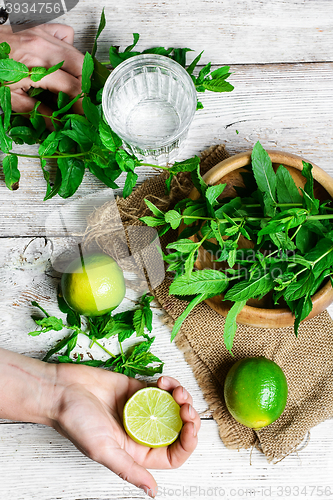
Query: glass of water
point(149, 100)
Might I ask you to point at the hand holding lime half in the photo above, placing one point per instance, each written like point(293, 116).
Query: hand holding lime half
point(93, 284)
point(255, 392)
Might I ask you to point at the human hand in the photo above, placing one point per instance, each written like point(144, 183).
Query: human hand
point(88, 411)
point(45, 45)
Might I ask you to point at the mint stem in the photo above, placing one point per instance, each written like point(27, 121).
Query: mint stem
point(94, 341)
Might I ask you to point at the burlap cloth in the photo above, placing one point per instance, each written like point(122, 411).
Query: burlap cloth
point(307, 361)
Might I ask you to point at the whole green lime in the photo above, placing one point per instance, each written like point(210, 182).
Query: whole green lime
point(255, 392)
point(93, 284)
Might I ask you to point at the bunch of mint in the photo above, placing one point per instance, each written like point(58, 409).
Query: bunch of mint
point(79, 142)
point(291, 234)
point(137, 359)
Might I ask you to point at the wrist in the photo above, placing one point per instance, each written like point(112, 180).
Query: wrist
point(27, 388)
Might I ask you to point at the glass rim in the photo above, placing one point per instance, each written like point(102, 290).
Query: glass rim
point(159, 60)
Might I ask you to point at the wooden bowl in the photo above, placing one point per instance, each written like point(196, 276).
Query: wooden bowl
point(261, 313)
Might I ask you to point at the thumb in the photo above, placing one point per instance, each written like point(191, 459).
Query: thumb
point(122, 464)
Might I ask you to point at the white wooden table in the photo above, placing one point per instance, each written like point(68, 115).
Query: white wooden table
point(280, 55)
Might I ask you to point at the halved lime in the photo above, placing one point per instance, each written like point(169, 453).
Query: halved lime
point(151, 417)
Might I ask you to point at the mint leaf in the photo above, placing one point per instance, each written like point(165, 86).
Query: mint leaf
point(130, 182)
point(156, 211)
point(5, 141)
point(300, 288)
point(207, 281)
point(304, 239)
point(198, 181)
point(185, 166)
point(139, 322)
point(321, 255)
point(5, 104)
point(109, 138)
point(106, 175)
point(194, 63)
point(48, 324)
point(63, 343)
point(39, 72)
point(12, 71)
point(101, 26)
point(264, 176)
point(87, 71)
point(4, 50)
point(11, 172)
point(173, 218)
point(179, 55)
point(50, 144)
point(213, 192)
point(302, 311)
point(230, 325)
point(286, 188)
point(71, 345)
point(310, 203)
point(307, 173)
point(185, 245)
point(72, 172)
point(218, 85)
point(152, 221)
point(254, 287)
point(62, 100)
point(136, 38)
point(66, 107)
point(179, 321)
point(91, 111)
point(222, 72)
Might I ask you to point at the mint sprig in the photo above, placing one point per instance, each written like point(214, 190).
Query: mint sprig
point(215, 81)
point(135, 360)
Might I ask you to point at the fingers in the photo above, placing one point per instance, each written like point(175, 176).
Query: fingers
point(61, 81)
point(189, 414)
point(125, 467)
point(185, 445)
point(22, 103)
point(181, 449)
point(61, 31)
point(55, 82)
point(47, 46)
point(167, 383)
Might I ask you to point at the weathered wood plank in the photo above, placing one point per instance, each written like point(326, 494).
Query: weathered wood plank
point(39, 464)
point(230, 31)
point(284, 106)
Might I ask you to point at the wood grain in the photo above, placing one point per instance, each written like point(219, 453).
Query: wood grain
point(39, 464)
point(229, 31)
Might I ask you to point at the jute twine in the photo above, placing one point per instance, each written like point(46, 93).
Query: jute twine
point(307, 361)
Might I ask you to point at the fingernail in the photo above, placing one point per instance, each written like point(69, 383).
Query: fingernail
point(165, 382)
point(194, 430)
point(147, 490)
point(185, 393)
point(190, 410)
